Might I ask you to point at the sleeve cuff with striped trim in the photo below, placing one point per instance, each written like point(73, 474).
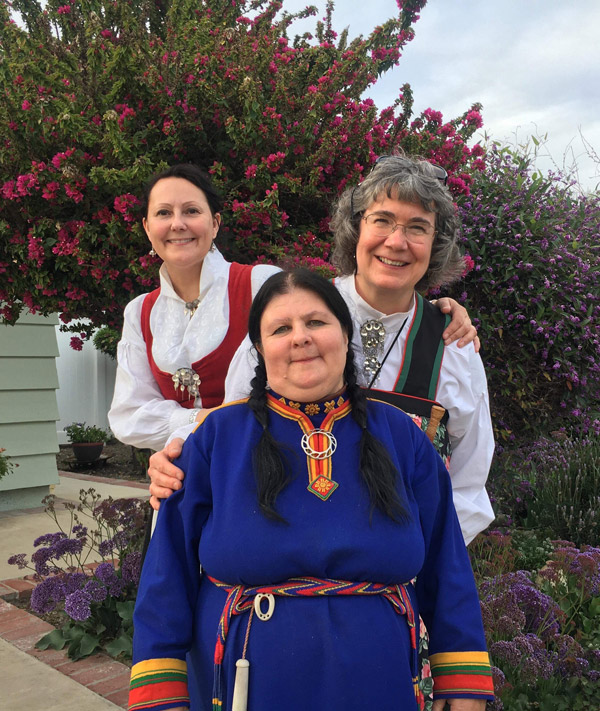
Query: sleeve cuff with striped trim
point(461, 675)
point(158, 684)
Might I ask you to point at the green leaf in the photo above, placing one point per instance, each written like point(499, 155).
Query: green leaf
point(52, 640)
point(88, 645)
point(125, 609)
point(122, 645)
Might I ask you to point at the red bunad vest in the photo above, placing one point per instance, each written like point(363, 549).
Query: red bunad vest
point(212, 369)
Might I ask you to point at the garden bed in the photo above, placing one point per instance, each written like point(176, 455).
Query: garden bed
point(121, 462)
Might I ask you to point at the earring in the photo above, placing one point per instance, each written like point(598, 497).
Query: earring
point(152, 253)
point(213, 246)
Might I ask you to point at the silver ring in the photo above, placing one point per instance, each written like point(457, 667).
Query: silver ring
point(315, 453)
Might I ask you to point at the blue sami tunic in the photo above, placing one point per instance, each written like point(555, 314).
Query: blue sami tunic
point(350, 652)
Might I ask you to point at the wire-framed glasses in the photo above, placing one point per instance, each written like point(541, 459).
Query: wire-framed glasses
point(383, 226)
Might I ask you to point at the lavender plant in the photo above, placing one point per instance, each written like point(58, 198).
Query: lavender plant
point(542, 632)
point(97, 601)
point(552, 485)
point(533, 288)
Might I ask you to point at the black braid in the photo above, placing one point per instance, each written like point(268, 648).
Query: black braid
point(270, 470)
point(376, 467)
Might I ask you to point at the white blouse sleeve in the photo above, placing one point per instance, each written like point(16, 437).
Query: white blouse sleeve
point(139, 414)
point(241, 368)
point(463, 383)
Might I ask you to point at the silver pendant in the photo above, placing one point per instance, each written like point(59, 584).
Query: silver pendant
point(186, 378)
point(372, 336)
point(190, 307)
point(310, 451)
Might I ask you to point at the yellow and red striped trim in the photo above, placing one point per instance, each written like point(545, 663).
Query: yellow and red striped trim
point(462, 673)
point(158, 682)
point(316, 467)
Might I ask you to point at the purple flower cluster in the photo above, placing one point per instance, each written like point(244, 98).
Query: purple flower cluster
point(581, 565)
point(107, 575)
point(511, 603)
point(526, 652)
point(77, 605)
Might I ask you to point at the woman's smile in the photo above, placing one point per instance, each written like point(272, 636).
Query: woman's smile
point(180, 225)
point(303, 345)
point(388, 268)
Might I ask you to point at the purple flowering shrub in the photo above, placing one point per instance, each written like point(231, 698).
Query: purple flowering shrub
point(542, 626)
point(279, 121)
point(552, 485)
point(97, 600)
point(533, 292)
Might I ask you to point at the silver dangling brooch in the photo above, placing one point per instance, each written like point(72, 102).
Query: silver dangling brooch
point(313, 453)
point(187, 378)
point(190, 307)
point(372, 336)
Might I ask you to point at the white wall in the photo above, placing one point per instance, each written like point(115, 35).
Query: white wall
point(86, 383)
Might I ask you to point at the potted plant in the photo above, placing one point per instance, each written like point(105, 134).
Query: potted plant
point(87, 442)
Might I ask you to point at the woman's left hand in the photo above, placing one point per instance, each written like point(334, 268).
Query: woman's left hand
point(459, 704)
point(460, 327)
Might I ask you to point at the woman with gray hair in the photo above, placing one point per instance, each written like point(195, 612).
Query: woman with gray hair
point(395, 238)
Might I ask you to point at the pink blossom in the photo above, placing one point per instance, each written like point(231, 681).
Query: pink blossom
point(76, 343)
point(60, 158)
point(433, 116)
point(469, 264)
point(73, 193)
point(127, 111)
point(75, 293)
point(25, 105)
point(49, 192)
point(104, 216)
point(64, 10)
point(124, 204)
point(8, 190)
point(35, 250)
point(473, 118)
point(68, 240)
point(251, 171)
point(274, 161)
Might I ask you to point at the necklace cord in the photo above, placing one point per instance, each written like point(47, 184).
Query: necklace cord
point(389, 350)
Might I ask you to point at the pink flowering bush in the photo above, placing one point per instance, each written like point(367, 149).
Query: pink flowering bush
point(97, 99)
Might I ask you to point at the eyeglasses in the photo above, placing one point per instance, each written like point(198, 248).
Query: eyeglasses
point(383, 226)
point(438, 172)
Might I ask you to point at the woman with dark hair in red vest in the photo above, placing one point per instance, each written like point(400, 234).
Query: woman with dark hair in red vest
point(178, 340)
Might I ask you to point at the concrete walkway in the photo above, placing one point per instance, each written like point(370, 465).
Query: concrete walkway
point(48, 680)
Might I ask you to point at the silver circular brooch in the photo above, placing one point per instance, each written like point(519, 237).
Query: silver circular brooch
point(310, 451)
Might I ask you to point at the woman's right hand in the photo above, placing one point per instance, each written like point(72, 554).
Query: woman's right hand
point(165, 477)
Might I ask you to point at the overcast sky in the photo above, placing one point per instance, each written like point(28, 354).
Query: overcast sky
point(533, 64)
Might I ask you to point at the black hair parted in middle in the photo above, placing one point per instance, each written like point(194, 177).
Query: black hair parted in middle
point(376, 467)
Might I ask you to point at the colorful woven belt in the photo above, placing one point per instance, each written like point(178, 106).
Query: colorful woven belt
point(241, 599)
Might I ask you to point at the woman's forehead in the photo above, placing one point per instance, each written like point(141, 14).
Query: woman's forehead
point(403, 197)
point(294, 301)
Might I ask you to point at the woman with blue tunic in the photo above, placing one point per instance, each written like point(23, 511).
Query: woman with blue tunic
point(311, 509)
